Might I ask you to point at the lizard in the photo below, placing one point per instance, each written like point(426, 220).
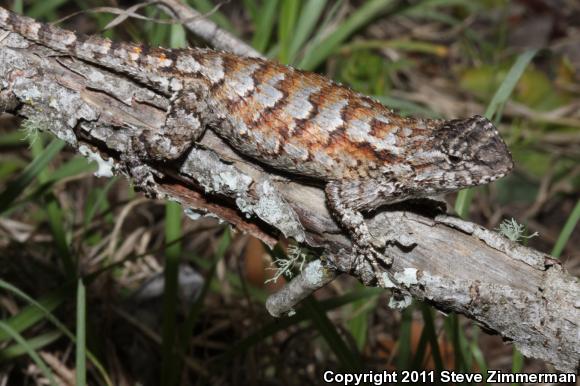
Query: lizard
point(301, 123)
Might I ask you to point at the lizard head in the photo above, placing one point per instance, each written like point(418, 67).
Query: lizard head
point(458, 154)
point(474, 151)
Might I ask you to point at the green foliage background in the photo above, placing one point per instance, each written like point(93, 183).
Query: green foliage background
point(57, 291)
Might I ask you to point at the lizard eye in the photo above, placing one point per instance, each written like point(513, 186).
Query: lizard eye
point(454, 158)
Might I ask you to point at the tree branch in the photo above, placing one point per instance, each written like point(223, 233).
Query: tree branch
point(454, 265)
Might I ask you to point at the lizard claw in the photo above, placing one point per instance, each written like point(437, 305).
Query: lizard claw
point(375, 259)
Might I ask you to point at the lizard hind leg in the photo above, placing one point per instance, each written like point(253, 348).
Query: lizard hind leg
point(183, 127)
point(351, 219)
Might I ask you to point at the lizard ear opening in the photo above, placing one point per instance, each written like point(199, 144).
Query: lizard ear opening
point(454, 158)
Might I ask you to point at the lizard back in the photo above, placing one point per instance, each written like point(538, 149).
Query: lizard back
point(306, 122)
point(297, 121)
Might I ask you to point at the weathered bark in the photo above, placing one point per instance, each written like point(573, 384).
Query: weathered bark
point(455, 265)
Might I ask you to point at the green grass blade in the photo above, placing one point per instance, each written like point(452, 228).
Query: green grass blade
point(477, 354)
point(8, 168)
point(406, 107)
point(81, 354)
point(30, 351)
point(195, 311)
point(193, 316)
point(286, 21)
point(74, 167)
point(42, 9)
point(48, 315)
point(53, 210)
point(265, 25)
point(320, 52)
point(156, 33)
point(358, 328)
point(170, 293)
point(308, 19)
point(504, 91)
point(16, 187)
point(424, 8)
point(98, 203)
point(207, 7)
point(177, 38)
point(408, 45)
point(463, 202)
point(358, 324)
point(452, 329)
point(461, 348)
point(349, 359)
point(13, 139)
point(421, 350)
point(56, 221)
point(567, 231)
point(31, 315)
point(252, 8)
point(431, 334)
point(18, 6)
point(517, 363)
point(173, 214)
point(493, 112)
point(327, 23)
point(404, 343)
point(36, 343)
point(466, 351)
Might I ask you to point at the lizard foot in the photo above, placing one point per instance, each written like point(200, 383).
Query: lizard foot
point(377, 261)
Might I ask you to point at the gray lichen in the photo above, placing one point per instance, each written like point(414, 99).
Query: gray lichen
point(264, 201)
point(104, 167)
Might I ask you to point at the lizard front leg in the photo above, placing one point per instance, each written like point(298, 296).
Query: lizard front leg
point(346, 200)
point(183, 126)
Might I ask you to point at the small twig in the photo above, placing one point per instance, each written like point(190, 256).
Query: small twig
point(66, 375)
point(123, 14)
point(313, 277)
point(206, 29)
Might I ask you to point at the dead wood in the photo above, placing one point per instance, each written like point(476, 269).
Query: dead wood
point(457, 266)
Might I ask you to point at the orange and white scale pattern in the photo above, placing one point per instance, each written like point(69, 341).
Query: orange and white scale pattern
point(297, 122)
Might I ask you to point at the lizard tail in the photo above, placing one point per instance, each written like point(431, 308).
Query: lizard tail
point(128, 59)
